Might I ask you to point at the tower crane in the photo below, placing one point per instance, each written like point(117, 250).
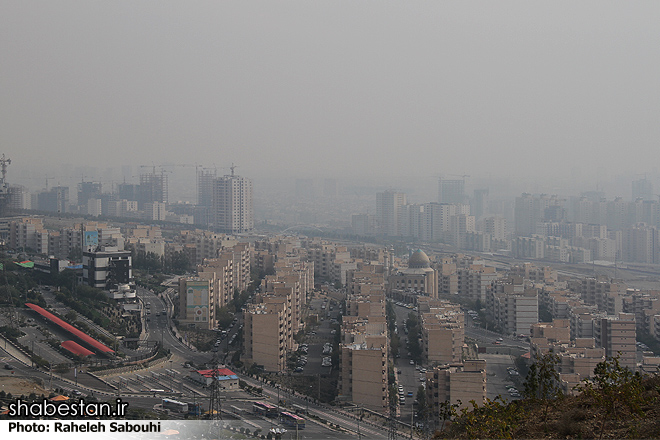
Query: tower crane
point(4, 162)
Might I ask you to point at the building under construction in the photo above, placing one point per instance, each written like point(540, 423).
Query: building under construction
point(4, 188)
point(153, 188)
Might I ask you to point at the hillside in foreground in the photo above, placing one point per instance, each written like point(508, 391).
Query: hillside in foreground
point(631, 410)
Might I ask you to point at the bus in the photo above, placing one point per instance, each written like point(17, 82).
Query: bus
point(175, 405)
point(264, 409)
point(290, 419)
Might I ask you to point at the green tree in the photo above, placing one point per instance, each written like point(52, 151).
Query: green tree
point(223, 316)
point(614, 389)
point(494, 419)
point(447, 411)
point(390, 315)
point(542, 382)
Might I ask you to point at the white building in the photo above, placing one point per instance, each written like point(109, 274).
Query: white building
point(233, 211)
point(389, 206)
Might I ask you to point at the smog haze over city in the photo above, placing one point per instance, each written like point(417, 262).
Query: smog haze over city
point(554, 97)
point(360, 214)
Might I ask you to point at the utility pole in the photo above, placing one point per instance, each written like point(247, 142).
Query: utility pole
point(215, 402)
point(358, 423)
point(391, 434)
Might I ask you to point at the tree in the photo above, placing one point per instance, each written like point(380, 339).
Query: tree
point(614, 388)
point(223, 316)
point(390, 315)
point(542, 382)
point(75, 254)
point(62, 368)
point(71, 316)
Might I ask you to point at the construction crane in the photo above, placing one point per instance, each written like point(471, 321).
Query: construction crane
point(463, 176)
point(4, 162)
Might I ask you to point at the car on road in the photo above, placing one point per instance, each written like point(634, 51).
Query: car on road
point(412, 362)
point(410, 393)
point(8, 367)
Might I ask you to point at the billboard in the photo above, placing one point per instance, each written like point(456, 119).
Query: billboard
point(91, 238)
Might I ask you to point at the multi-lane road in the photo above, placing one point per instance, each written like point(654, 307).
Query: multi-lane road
point(146, 388)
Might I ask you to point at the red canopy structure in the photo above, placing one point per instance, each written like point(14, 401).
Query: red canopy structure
point(71, 329)
point(76, 348)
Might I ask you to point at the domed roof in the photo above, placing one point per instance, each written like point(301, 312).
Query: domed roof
point(419, 260)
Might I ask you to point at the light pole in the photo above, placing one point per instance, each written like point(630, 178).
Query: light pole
point(358, 424)
point(278, 400)
point(309, 396)
point(171, 378)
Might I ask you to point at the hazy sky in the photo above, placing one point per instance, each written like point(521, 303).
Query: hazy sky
point(341, 87)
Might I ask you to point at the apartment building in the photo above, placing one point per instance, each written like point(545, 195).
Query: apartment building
point(363, 372)
point(456, 383)
point(364, 346)
point(28, 233)
point(529, 210)
point(618, 336)
point(443, 334)
point(606, 295)
point(221, 272)
point(331, 261)
point(107, 267)
point(388, 212)
point(534, 274)
point(265, 336)
point(644, 305)
point(197, 302)
point(513, 306)
point(232, 206)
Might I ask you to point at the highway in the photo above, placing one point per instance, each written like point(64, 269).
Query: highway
point(170, 376)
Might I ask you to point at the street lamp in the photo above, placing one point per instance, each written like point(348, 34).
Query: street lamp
point(278, 400)
point(171, 378)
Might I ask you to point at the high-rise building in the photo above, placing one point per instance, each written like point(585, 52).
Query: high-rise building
point(531, 209)
point(205, 178)
point(55, 200)
point(128, 191)
point(388, 211)
point(451, 191)
point(233, 211)
point(479, 205)
point(18, 198)
point(88, 190)
point(153, 188)
point(642, 189)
